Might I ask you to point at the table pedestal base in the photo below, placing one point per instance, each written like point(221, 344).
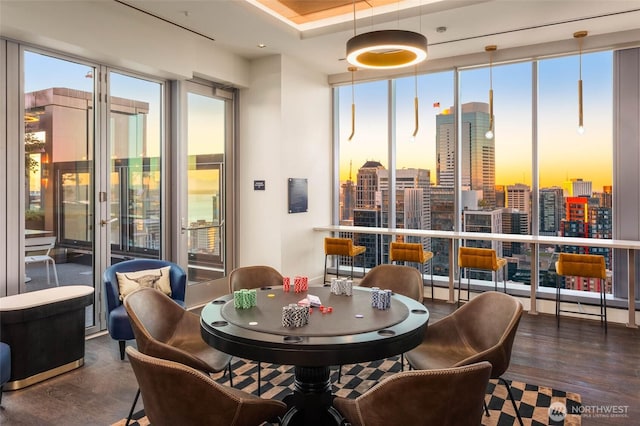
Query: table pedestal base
point(310, 403)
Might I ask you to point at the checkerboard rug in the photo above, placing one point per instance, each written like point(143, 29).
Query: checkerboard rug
point(277, 382)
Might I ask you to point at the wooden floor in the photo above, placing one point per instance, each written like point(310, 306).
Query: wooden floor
point(577, 357)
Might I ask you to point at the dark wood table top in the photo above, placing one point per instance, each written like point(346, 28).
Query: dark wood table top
point(328, 339)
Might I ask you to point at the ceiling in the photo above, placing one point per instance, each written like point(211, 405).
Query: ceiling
point(316, 31)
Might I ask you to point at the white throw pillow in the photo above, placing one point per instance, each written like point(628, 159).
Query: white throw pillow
point(154, 278)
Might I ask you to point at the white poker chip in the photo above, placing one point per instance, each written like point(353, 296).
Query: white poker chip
point(253, 323)
point(359, 316)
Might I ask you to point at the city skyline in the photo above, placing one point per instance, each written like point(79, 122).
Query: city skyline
point(557, 112)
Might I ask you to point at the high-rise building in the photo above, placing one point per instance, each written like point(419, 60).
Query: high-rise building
point(516, 222)
point(486, 221)
point(478, 152)
point(605, 197)
point(519, 197)
point(373, 242)
point(442, 215)
point(412, 206)
point(577, 188)
point(551, 210)
point(367, 191)
point(586, 219)
point(347, 200)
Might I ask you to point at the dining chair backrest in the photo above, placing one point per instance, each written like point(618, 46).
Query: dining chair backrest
point(400, 279)
point(176, 394)
point(444, 397)
point(248, 277)
point(160, 326)
point(39, 244)
point(488, 324)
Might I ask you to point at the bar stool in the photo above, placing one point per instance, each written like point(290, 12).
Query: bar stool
point(587, 266)
point(341, 247)
point(480, 258)
point(411, 252)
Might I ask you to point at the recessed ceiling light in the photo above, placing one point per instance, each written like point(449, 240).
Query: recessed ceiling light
point(262, 45)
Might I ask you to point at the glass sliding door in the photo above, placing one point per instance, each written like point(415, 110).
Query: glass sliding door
point(135, 145)
point(59, 117)
point(205, 217)
point(204, 167)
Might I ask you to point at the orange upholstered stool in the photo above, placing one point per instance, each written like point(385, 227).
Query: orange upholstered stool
point(587, 266)
point(480, 258)
point(341, 247)
point(411, 252)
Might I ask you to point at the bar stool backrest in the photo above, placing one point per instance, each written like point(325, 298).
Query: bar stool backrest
point(477, 258)
point(407, 252)
point(581, 265)
point(338, 246)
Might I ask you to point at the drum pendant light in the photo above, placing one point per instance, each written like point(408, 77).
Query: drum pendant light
point(385, 49)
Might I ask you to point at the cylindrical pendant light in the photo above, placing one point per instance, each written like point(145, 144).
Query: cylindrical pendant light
point(491, 48)
point(580, 35)
point(415, 105)
point(353, 104)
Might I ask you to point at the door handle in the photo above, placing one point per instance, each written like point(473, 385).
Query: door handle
point(105, 222)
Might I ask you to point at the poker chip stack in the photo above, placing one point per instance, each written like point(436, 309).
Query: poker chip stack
point(348, 288)
point(300, 284)
point(286, 284)
point(380, 299)
point(375, 295)
point(340, 286)
point(245, 298)
point(295, 315)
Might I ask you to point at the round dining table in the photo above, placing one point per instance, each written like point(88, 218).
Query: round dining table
point(354, 331)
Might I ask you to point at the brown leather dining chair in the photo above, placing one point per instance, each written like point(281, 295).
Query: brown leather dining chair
point(483, 329)
point(176, 394)
point(442, 397)
point(248, 277)
point(163, 329)
point(400, 279)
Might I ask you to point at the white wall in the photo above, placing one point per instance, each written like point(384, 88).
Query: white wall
point(117, 35)
point(281, 137)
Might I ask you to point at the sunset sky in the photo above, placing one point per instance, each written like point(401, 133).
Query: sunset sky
point(563, 153)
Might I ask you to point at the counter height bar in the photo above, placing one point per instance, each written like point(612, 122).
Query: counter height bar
point(629, 245)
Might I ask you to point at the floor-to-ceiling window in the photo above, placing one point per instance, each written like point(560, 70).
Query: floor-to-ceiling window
point(59, 130)
point(576, 165)
point(496, 163)
point(204, 174)
point(88, 168)
point(135, 151)
point(423, 200)
point(535, 155)
point(363, 159)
